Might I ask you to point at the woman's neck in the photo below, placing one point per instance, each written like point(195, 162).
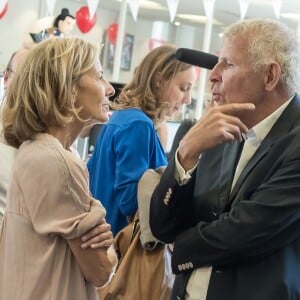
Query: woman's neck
point(66, 135)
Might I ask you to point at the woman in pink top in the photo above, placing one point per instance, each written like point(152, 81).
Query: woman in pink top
point(54, 241)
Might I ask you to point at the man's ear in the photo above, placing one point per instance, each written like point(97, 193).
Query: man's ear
point(272, 74)
point(158, 79)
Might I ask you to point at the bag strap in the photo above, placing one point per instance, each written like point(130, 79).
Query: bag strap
point(135, 224)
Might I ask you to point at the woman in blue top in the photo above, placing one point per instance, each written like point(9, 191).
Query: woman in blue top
point(128, 144)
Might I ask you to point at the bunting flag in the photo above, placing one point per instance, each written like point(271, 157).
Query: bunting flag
point(92, 6)
point(134, 8)
point(50, 6)
point(172, 5)
point(2, 4)
point(243, 8)
point(209, 8)
point(277, 7)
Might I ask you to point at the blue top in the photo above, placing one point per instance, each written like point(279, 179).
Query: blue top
point(127, 146)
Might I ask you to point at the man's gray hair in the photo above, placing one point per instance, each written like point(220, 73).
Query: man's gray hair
point(271, 41)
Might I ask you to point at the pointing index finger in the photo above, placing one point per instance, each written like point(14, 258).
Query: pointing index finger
point(235, 108)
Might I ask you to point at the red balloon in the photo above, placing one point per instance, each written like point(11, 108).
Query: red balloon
point(83, 21)
point(112, 33)
point(3, 12)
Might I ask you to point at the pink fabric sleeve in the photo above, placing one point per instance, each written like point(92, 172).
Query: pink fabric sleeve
point(54, 186)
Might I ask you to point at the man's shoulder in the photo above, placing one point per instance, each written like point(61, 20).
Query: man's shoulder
point(293, 136)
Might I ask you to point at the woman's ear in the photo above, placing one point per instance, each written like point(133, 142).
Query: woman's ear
point(158, 79)
point(5, 77)
point(272, 74)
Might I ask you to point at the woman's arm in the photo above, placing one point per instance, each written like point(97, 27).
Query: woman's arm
point(97, 237)
point(97, 265)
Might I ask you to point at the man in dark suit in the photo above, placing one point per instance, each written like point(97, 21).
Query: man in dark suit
point(234, 218)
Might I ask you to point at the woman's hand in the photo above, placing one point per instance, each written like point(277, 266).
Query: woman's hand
point(97, 237)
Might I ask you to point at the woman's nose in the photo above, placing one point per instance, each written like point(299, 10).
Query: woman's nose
point(188, 98)
point(110, 91)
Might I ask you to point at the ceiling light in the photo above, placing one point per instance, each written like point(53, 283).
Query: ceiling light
point(196, 18)
point(291, 16)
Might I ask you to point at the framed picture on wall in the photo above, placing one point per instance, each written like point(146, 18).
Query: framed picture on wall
point(108, 53)
point(127, 50)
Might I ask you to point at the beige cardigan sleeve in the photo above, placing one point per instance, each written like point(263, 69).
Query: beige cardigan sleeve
point(146, 186)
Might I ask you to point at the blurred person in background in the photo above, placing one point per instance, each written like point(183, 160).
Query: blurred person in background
point(7, 153)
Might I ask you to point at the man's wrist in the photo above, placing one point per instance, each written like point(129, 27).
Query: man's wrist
point(181, 174)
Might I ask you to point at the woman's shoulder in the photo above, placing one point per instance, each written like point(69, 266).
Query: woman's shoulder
point(42, 144)
point(44, 157)
point(129, 116)
point(45, 151)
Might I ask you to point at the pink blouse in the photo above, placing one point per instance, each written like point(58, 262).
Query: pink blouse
point(48, 203)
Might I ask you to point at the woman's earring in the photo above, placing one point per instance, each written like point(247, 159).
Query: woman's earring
point(74, 93)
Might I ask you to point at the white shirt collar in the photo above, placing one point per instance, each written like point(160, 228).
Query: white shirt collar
point(261, 129)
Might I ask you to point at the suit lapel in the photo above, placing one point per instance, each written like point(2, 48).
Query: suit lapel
point(259, 154)
point(289, 119)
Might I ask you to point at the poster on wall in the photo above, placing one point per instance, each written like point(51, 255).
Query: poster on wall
point(108, 53)
point(127, 52)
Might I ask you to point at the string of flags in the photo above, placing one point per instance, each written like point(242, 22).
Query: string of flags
point(134, 6)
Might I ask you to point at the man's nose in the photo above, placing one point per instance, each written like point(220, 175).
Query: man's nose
point(215, 74)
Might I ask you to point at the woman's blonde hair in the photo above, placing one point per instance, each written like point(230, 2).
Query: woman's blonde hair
point(142, 90)
point(41, 94)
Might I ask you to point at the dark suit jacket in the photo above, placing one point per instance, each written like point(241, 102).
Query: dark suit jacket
point(251, 237)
